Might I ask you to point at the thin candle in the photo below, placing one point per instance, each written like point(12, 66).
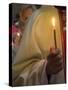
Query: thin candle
point(54, 31)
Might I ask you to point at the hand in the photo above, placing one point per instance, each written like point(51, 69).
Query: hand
point(54, 64)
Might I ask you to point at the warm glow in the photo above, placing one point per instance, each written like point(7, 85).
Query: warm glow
point(18, 34)
point(53, 22)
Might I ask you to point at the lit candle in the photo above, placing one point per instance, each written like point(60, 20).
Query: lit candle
point(54, 31)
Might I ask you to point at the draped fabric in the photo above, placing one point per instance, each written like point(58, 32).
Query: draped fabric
point(29, 66)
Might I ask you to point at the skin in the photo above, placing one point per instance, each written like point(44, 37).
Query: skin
point(54, 64)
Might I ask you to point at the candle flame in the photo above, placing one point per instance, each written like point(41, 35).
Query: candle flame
point(53, 22)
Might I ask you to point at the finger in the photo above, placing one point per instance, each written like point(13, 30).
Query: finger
point(57, 65)
point(57, 59)
point(58, 50)
point(52, 55)
point(58, 70)
point(56, 54)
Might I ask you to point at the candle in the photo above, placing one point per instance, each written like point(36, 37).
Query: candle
point(55, 38)
point(54, 31)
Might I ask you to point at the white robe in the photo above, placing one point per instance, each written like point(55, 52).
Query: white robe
point(30, 63)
